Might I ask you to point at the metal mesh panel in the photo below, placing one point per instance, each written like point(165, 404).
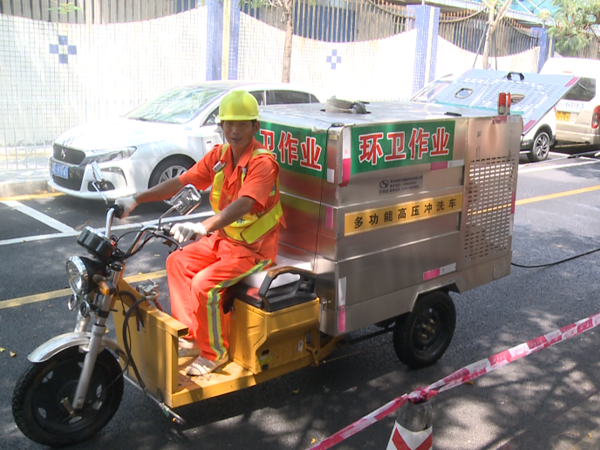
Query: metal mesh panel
point(490, 189)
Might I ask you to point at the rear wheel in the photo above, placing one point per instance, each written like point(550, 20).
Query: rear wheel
point(168, 169)
point(41, 400)
point(541, 147)
point(422, 336)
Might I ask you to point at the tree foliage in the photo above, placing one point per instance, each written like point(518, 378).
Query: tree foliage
point(65, 8)
point(497, 9)
point(573, 24)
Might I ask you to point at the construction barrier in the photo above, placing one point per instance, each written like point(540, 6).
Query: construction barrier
point(461, 376)
point(413, 429)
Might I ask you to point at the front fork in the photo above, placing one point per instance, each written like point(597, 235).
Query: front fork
point(98, 331)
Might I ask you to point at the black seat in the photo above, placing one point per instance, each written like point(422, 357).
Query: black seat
point(277, 298)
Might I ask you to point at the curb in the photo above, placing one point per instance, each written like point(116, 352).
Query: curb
point(14, 188)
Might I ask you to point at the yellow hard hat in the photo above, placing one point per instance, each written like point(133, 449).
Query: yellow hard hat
point(238, 105)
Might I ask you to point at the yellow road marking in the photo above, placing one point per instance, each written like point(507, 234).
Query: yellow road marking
point(541, 198)
point(17, 198)
point(64, 292)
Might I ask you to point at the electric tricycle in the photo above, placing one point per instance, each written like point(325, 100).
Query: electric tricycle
point(387, 212)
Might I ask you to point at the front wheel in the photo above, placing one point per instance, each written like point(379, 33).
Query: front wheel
point(422, 336)
point(42, 398)
point(541, 147)
point(168, 169)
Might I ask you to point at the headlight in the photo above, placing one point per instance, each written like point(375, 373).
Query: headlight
point(119, 154)
point(77, 275)
point(80, 273)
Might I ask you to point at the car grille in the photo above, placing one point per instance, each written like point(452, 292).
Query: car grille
point(67, 155)
point(73, 184)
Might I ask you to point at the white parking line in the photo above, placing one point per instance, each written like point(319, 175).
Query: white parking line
point(47, 220)
point(70, 232)
point(39, 237)
point(539, 167)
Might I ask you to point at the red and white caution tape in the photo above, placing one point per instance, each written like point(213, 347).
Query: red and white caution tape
point(464, 375)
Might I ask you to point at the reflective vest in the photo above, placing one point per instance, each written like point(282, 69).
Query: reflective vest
point(251, 227)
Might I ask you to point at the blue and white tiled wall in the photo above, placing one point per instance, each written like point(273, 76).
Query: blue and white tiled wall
point(454, 60)
point(372, 70)
point(55, 76)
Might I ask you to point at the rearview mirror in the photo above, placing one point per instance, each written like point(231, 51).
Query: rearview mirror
point(98, 182)
point(186, 200)
point(97, 172)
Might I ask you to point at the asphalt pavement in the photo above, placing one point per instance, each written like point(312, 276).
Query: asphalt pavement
point(34, 181)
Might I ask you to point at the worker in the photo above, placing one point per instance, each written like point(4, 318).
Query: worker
point(238, 240)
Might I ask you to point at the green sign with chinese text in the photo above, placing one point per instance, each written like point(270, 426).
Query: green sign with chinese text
point(297, 149)
point(378, 147)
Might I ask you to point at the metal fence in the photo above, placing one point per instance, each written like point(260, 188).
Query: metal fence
point(95, 11)
point(32, 147)
point(592, 51)
point(324, 20)
point(331, 21)
point(467, 30)
point(340, 21)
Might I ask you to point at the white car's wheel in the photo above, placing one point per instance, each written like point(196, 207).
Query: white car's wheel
point(168, 169)
point(541, 147)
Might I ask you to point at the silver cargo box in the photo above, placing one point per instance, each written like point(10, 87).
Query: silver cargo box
point(395, 203)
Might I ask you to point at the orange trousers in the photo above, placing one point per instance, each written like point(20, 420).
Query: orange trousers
point(197, 277)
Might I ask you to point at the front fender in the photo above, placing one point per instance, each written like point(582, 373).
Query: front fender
point(74, 339)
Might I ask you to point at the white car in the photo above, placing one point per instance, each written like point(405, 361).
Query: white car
point(536, 143)
point(578, 113)
point(155, 142)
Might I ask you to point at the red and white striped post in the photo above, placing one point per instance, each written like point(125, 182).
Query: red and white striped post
point(413, 429)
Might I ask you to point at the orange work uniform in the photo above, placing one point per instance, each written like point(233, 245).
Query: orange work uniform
point(198, 274)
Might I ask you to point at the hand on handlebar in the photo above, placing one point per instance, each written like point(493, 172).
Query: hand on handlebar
point(182, 232)
point(127, 204)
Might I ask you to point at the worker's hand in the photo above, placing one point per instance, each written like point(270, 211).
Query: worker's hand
point(186, 231)
point(127, 203)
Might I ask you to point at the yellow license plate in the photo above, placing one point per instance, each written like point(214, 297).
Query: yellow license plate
point(563, 116)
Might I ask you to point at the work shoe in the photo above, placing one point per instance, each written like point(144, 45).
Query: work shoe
point(203, 366)
point(188, 347)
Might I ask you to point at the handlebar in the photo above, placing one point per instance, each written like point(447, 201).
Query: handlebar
point(305, 285)
point(162, 232)
point(109, 219)
point(119, 210)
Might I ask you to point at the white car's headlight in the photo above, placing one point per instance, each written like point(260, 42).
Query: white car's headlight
point(118, 154)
